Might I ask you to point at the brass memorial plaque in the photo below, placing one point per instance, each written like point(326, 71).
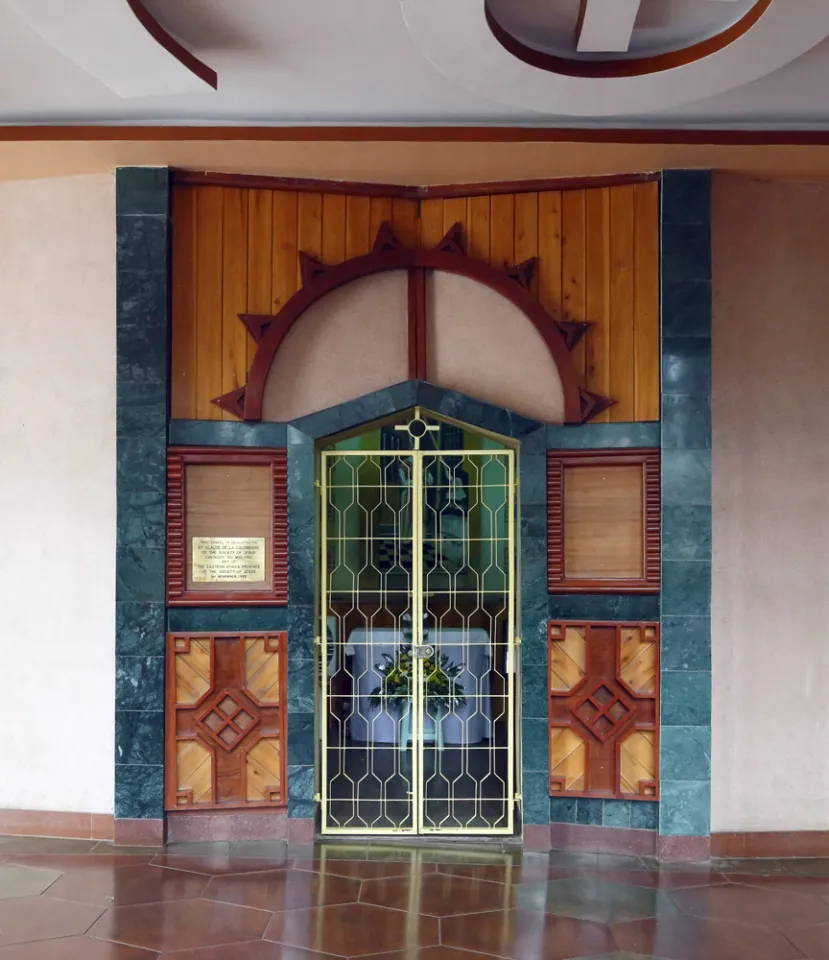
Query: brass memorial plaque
point(228, 559)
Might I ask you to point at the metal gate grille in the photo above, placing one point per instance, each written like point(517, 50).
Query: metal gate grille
point(417, 666)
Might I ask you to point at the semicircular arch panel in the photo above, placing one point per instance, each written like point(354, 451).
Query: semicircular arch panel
point(481, 344)
point(351, 342)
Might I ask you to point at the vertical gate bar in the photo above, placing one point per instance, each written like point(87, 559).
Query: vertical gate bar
point(511, 658)
point(418, 801)
point(323, 648)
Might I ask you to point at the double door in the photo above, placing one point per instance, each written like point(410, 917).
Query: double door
point(417, 665)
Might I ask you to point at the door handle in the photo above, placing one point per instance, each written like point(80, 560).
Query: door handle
point(423, 650)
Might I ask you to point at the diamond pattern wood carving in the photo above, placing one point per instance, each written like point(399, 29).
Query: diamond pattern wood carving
point(604, 713)
point(226, 715)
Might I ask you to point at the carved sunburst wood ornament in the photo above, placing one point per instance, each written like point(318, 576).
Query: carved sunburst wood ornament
point(449, 255)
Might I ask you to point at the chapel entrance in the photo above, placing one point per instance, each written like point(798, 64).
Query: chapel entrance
point(418, 667)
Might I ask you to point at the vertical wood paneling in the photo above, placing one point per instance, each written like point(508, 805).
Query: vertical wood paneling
point(549, 252)
point(597, 303)
point(621, 303)
point(358, 237)
point(502, 231)
point(431, 222)
point(404, 221)
point(646, 301)
point(183, 383)
point(333, 229)
point(526, 231)
point(380, 214)
point(454, 211)
point(285, 279)
point(260, 256)
point(598, 260)
point(309, 228)
point(234, 290)
point(573, 278)
point(477, 231)
point(209, 257)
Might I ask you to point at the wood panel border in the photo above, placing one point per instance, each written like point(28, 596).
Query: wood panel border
point(557, 461)
point(178, 458)
point(446, 191)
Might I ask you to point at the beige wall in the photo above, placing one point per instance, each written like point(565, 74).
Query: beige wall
point(770, 615)
point(49, 152)
point(57, 493)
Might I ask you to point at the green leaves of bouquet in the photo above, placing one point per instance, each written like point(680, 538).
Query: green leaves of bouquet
point(443, 692)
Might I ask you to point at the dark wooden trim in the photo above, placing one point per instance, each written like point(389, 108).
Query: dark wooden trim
point(438, 191)
point(633, 67)
point(178, 595)
point(386, 259)
point(82, 133)
point(280, 637)
point(650, 460)
point(417, 324)
point(771, 844)
point(172, 46)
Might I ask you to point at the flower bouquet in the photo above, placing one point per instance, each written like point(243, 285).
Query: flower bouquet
point(443, 692)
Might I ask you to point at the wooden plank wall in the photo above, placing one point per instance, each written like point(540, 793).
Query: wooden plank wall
point(235, 251)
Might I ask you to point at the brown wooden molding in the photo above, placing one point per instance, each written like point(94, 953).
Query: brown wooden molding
point(649, 460)
point(388, 255)
point(172, 46)
point(628, 67)
point(87, 133)
point(592, 404)
point(352, 188)
point(178, 458)
point(417, 324)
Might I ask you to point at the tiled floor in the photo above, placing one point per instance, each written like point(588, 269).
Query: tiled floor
point(77, 900)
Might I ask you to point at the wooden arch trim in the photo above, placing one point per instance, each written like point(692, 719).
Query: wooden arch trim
point(171, 45)
point(387, 255)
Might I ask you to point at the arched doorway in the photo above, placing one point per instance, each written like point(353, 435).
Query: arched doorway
point(418, 674)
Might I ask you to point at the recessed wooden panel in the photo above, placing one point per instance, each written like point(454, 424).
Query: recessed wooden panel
point(226, 495)
point(604, 718)
point(235, 248)
point(603, 520)
point(226, 729)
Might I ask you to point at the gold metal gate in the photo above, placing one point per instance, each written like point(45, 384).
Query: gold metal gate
point(417, 666)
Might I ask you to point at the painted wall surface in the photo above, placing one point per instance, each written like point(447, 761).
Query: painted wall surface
point(57, 489)
point(770, 602)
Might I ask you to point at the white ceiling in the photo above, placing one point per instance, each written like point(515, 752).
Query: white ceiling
point(350, 61)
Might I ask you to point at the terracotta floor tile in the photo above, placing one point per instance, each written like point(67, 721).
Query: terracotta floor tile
point(12, 845)
point(496, 873)
point(438, 894)
point(39, 918)
point(816, 886)
point(808, 867)
point(596, 900)
point(431, 953)
point(661, 879)
point(352, 930)
point(74, 948)
point(521, 935)
point(759, 905)
point(126, 886)
point(601, 861)
point(812, 941)
point(688, 938)
point(763, 867)
point(283, 890)
point(20, 880)
point(80, 861)
point(219, 866)
point(253, 950)
point(364, 869)
point(180, 925)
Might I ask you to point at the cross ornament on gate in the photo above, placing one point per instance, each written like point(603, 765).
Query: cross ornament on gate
point(417, 428)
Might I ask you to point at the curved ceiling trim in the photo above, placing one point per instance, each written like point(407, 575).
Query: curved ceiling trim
point(120, 43)
point(458, 40)
point(629, 67)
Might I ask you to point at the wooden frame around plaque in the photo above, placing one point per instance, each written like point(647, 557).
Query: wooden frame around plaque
point(181, 590)
point(648, 578)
